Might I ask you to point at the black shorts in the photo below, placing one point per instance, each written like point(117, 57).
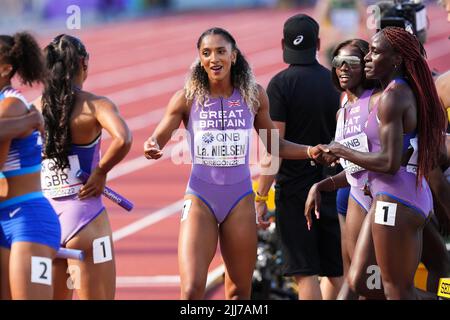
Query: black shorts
point(308, 252)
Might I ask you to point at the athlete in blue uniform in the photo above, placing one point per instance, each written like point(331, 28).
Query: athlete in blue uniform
point(30, 230)
point(17, 126)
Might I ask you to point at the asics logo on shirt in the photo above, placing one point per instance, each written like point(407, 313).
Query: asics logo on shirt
point(13, 213)
point(298, 40)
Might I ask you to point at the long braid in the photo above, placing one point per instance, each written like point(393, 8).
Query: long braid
point(431, 117)
point(59, 96)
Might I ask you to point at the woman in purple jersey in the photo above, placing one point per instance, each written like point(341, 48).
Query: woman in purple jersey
point(74, 120)
point(351, 77)
point(408, 108)
point(348, 77)
point(220, 105)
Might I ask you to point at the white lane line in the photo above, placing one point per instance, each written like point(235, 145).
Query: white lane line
point(141, 121)
point(141, 162)
point(147, 221)
point(214, 277)
point(148, 281)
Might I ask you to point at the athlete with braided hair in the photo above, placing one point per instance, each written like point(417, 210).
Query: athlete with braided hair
point(405, 134)
point(220, 105)
point(74, 120)
point(29, 227)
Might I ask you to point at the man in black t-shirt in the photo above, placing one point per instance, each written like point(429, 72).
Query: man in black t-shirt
point(303, 105)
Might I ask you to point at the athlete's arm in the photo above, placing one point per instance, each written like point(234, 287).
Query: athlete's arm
point(393, 105)
point(17, 126)
point(314, 198)
point(269, 168)
point(176, 110)
point(108, 117)
point(10, 108)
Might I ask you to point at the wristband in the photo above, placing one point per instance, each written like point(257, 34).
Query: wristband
point(259, 198)
point(308, 152)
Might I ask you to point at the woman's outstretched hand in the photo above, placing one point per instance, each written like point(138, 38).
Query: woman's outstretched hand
point(323, 155)
point(312, 203)
point(151, 149)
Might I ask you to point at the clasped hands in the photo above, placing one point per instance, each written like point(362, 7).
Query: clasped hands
point(326, 154)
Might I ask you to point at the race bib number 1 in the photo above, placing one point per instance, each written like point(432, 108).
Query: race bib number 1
point(57, 183)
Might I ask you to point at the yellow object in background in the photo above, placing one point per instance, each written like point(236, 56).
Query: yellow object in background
point(271, 201)
point(444, 288)
point(420, 279)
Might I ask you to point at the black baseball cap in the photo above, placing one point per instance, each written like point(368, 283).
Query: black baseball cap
point(300, 33)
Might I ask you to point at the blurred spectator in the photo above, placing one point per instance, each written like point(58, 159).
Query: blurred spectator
point(340, 20)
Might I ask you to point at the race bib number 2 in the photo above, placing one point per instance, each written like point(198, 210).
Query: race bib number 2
point(57, 183)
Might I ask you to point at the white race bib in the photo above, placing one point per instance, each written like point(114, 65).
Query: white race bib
point(57, 183)
point(359, 143)
point(221, 148)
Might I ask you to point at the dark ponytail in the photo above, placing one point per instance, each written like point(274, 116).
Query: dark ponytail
point(63, 61)
point(23, 53)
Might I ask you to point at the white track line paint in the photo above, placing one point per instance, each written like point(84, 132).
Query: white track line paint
point(147, 221)
point(141, 162)
point(167, 280)
point(148, 281)
point(215, 277)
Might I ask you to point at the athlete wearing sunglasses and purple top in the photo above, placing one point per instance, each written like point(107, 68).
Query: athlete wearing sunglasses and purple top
point(402, 199)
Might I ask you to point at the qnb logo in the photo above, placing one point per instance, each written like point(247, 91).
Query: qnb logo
point(208, 137)
point(298, 40)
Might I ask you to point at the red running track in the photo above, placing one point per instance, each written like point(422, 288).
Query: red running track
point(139, 65)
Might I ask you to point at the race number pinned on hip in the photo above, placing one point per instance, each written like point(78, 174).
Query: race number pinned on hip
point(41, 270)
point(414, 159)
point(385, 213)
point(186, 207)
point(102, 250)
